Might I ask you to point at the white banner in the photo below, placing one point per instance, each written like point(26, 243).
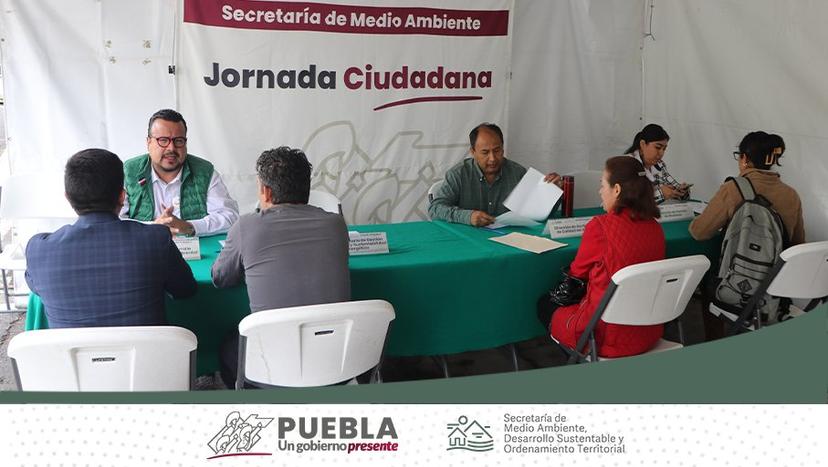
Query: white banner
point(424, 435)
point(380, 97)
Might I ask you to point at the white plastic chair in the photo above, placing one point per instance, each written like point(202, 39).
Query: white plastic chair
point(35, 203)
point(643, 294)
point(587, 184)
point(315, 345)
point(325, 201)
point(801, 271)
point(129, 358)
point(432, 190)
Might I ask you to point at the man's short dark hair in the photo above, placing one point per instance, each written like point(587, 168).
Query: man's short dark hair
point(489, 126)
point(93, 181)
point(287, 173)
point(169, 115)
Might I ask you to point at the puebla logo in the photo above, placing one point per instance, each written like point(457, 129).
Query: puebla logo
point(299, 435)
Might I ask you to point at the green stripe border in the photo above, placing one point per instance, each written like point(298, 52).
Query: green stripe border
point(784, 363)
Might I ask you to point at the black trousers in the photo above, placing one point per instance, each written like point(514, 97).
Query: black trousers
point(229, 359)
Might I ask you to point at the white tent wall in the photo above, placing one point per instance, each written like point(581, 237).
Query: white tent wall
point(716, 70)
point(576, 82)
point(83, 74)
point(89, 73)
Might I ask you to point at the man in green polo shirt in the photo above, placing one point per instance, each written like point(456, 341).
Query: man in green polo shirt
point(474, 190)
point(171, 187)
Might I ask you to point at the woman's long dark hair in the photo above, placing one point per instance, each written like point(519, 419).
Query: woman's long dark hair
point(636, 189)
point(648, 134)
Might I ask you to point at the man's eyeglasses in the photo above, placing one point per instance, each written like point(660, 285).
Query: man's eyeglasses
point(737, 155)
point(164, 141)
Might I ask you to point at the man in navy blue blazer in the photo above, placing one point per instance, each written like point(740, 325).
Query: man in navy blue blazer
point(101, 270)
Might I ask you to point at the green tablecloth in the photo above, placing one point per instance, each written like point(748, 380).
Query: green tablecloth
point(453, 290)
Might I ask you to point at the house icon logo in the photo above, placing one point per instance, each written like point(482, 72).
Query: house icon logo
point(469, 435)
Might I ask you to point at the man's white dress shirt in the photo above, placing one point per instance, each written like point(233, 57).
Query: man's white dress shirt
point(222, 210)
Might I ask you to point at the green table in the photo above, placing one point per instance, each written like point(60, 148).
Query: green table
point(453, 290)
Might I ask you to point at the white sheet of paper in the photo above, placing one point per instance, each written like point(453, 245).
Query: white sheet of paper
point(532, 197)
point(525, 242)
point(188, 246)
point(513, 218)
point(494, 226)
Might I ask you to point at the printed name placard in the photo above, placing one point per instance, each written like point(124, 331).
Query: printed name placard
point(566, 227)
point(370, 243)
point(676, 212)
point(188, 246)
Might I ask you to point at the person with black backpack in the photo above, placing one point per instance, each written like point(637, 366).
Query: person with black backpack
point(761, 216)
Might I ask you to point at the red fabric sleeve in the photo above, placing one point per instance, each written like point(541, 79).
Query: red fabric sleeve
point(593, 244)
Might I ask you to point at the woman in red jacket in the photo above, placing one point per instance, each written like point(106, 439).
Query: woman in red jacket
point(627, 234)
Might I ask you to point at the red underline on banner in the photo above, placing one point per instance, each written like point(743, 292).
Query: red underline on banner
point(416, 100)
point(241, 454)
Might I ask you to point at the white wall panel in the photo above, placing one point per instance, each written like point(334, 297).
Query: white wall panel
point(720, 69)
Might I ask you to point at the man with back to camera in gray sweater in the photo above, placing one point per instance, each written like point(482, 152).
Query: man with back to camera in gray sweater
point(288, 252)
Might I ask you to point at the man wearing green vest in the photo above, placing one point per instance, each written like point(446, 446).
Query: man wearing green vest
point(170, 187)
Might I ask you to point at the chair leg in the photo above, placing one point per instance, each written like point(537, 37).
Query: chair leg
point(6, 290)
point(441, 361)
point(513, 350)
point(680, 331)
point(593, 348)
point(376, 375)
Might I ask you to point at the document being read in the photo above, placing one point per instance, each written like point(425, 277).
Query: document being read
point(531, 200)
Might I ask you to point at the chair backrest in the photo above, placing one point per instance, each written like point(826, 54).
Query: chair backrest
point(804, 272)
point(35, 196)
point(313, 345)
point(432, 190)
point(587, 184)
point(325, 201)
point(654, 292)
point(130, 358)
